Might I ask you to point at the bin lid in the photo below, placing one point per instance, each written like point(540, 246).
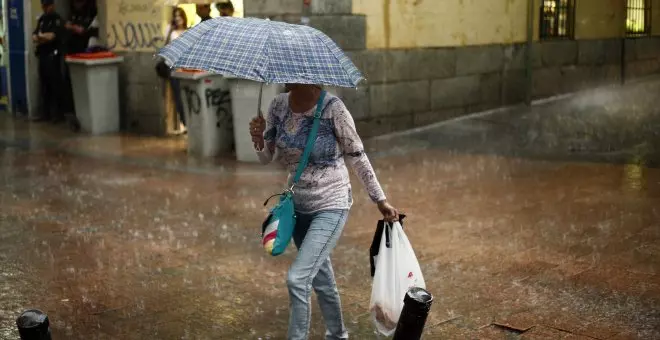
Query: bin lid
point(184, 73)
point(190, 70)
point(95, 58)
point(92, 55)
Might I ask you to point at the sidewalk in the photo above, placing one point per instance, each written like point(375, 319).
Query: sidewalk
point(607, 125)
point(612, 124)
point(165, 153)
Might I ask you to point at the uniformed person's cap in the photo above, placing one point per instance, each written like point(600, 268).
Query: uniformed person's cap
point(47, 2)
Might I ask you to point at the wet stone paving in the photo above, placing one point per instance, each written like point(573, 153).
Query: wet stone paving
point(525, 229)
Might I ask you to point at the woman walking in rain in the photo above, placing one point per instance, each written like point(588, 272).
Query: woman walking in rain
point(322, 197)
point(280, 53)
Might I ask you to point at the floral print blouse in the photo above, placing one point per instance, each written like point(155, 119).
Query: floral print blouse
point(325, 183)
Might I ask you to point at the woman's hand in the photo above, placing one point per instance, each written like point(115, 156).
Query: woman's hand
point(390, 214)
point(257, 128)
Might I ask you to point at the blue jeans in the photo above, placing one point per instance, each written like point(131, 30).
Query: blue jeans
point(315, 236)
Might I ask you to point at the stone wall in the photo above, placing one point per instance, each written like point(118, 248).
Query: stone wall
point(335, 18)
point(144, 108)
point(417, 87)
point(407, 88)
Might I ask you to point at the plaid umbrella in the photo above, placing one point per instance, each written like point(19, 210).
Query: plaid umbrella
point(264, 51)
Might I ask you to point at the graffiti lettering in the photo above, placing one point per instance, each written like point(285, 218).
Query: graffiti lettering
point(193, 100)
point(134, 36)
point(215, 98)
point(132, 8)
point(219, 98)
point(224, 118)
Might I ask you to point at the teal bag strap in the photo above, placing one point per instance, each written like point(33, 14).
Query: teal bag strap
point(310, 139)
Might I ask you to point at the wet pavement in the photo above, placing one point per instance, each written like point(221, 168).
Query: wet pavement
point(527, 225)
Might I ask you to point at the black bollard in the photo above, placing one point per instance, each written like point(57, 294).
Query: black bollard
point(33, 325)
point(416, 307)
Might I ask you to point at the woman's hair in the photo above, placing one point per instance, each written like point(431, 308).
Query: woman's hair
point(182, 13)
point(225, 5)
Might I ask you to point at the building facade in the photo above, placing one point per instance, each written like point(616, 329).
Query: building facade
point(428, 61)
point(425, 61)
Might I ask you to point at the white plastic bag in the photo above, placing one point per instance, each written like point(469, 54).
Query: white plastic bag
point(397, 270)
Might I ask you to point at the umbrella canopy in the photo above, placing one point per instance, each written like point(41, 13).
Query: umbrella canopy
point(262, 50)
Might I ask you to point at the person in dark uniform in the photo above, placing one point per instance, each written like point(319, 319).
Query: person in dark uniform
point(48, 37)
point(80, 26)
point(204, 12)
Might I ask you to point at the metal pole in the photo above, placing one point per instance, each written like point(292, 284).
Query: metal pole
point(623, 42)
point(416, 308)
point(33, 325)
point(529, 53)
point(261, 92)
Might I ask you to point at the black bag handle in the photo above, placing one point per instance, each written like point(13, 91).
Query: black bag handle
point(375, 243)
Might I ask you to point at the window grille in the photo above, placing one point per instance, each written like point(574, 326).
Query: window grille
point(638, 17)
point(557, 20)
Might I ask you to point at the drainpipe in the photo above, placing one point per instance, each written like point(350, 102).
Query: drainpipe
point(623, 42)
point(529, 53)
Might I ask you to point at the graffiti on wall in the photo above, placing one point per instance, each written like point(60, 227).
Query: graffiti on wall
point(130, 36)
point(136, 25)
point(220, 100)
point(214, 99)
point(192, 99)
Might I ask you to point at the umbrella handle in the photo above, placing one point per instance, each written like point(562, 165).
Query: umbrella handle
point(261, 91)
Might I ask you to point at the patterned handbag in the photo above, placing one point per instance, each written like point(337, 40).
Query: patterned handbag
point(277, 229)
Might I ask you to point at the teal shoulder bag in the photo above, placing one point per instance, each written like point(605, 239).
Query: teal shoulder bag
point(277, 229)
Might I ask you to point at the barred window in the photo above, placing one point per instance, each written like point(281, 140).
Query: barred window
point(638, 17)
point(557, 19)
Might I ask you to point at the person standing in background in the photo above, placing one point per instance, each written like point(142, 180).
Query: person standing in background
point(80, 26)
point(226, 8)
point(178, 25)
point(48, 37)
point(204, 12)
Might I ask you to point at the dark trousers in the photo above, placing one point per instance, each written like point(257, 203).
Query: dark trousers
point(53, 89)
point(68, 105)
point(178, 103)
